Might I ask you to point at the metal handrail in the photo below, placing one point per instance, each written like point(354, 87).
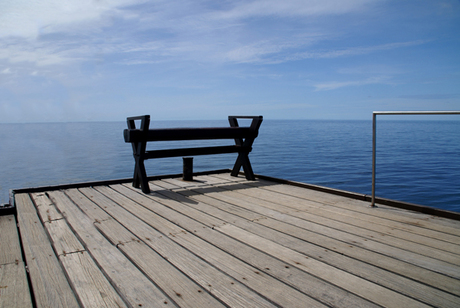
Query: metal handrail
point(374, 135)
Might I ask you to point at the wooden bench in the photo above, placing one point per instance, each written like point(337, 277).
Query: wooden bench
point(138, 137)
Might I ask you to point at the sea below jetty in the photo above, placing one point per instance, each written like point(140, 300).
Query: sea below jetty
point(417, 161)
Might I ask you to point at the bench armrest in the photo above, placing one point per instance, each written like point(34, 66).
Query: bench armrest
point(255, 124)
point(145, 122)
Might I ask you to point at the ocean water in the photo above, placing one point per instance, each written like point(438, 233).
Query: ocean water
point(417, 161)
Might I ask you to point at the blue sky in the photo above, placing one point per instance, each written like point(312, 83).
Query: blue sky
point(88, 60)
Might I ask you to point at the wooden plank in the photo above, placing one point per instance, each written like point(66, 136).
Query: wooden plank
point(45, 207)
point(14, 289)
point(89, 283)
point(230, 201)
point(228, 177)
point(422, 245)
point(452, 226)
point(228, 290)
point(63, 239)
point(176, 183)
point(152, 211)
point(185, 292)
point(254, 278)
point(329, 273)
point(130, 283)
point(405, 255)
point(280, 281)
point(87, 206)
point(296, 279)
point(376, 215)
point(444, 251)
point(10, 249)
point(290, 225)
point(110, 229)
point(49, 284)
point(394, 281)
point(371, 291)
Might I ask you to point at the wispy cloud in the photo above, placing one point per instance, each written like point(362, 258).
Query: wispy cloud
point(429, 96)
point(246, 9)
point(29, 19)
point(51, 32)
point(351, 51)
point(340, 84)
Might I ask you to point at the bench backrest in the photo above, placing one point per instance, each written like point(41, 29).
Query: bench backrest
point(144, 134)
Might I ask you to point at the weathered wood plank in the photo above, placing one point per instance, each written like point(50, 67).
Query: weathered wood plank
point(242, 244)
point(422, 245)
point(259, 269)
point(14, 289)
point(222, 286)
point(45, 207)
point(63, 239)
point(185, 292)
point(291, 225)
point(254, 278)
point(375, 215)
point(371, 291)
point(175, 183)
point(383, 229)
point(89, 283)
point(354, 284)
point(130, 283)
point(440, 266)
point(10, 249)
point(226, 211)
point(445, 251)
point(50, 286)
point(229, 249)
point(87, 206)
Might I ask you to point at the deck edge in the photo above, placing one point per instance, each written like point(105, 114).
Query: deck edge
point(368, 198)
point(8, 209)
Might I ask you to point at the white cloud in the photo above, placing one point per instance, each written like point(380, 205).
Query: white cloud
point(340, 84)
point(29, 19)
point(351, 51)
point(50, 32)
point(245, 9)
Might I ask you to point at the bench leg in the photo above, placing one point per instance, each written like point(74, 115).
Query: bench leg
point(140, 176)
point(243, 160)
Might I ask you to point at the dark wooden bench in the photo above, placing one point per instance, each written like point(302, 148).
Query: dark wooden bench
point(243, 136)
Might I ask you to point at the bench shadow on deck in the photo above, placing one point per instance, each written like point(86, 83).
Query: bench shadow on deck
point(222, 241)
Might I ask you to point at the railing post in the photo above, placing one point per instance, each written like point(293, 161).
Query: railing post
point(374, 145)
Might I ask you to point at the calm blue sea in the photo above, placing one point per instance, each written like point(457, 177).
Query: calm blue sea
point(417, 161)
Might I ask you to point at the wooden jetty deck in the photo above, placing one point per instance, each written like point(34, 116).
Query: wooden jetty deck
point(222, 241)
